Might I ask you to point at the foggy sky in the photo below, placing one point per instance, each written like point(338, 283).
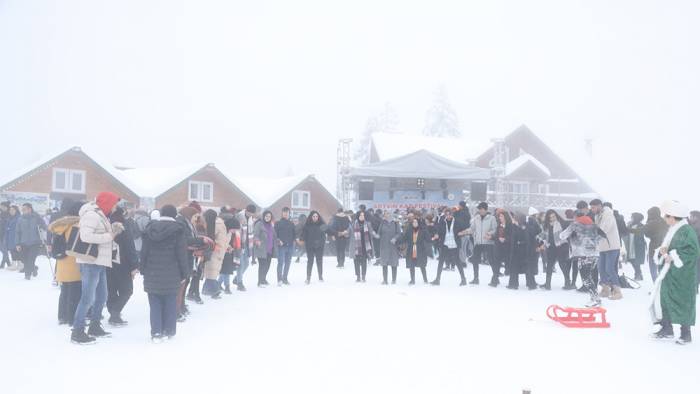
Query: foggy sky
point(268, 87)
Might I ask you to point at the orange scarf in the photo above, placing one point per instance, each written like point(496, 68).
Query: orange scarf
point(414, 254)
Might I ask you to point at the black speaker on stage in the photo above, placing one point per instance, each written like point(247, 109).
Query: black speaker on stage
point(478, 191)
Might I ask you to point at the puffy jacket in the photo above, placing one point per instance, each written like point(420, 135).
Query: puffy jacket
point(164, 262)
point(583, 238)
point(96, 229)
point(66, 268)
point(27, 231)
point(607, 222)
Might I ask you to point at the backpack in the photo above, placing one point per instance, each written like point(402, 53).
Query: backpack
point(58, 247)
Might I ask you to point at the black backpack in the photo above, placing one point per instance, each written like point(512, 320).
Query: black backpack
point(58, 247)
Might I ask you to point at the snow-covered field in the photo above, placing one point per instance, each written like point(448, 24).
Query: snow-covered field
point(343, 337)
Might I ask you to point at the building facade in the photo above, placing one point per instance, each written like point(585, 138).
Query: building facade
point(71, 174)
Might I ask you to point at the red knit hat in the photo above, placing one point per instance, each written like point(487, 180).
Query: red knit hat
point(195, 205)
point(106, 201)
point(584, 220)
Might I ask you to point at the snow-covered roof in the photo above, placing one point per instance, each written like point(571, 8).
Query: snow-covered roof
point(520, 161)
point(43, 159)
point(392, 145)
point(266, 191)
point(48, 158)
point(152, 182)
point(421, 164)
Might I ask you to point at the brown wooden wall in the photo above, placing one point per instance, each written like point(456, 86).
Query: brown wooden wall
point(96, 179)
point(321, 200)
point(225, 193)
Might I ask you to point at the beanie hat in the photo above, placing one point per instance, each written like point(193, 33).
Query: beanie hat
point(195, 205)
point(585, 220)
point(106, 202)
point(188, 212)
point(168, 211)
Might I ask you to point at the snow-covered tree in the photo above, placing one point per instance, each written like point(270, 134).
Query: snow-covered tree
point(384, 121)
point(441, 119)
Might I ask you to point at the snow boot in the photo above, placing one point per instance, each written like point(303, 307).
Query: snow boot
point(463, 282)
point(157, 338)
point(117, 321)
point(604, 291)
point(685, 338)
point(616, 293)
point(594, 302)
point(435, 282)
point(79, 337)
point(97, 331)
point(666, 331)
point(474, 282)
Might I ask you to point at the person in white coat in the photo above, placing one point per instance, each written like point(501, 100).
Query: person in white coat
point(96, 229)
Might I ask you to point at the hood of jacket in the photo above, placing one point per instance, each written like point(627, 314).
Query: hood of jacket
point(62, 225)
point(653, 213)
point(90, 206)
point(160, 230)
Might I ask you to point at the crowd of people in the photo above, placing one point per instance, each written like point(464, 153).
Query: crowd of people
point(100, 246)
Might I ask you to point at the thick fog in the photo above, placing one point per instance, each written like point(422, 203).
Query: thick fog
point(268, 87)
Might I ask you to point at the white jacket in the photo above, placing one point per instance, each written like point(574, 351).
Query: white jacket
point(96, 229)
point(606, 221)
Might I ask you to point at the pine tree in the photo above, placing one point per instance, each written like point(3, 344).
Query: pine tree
point(385, 121)
point(441, 119)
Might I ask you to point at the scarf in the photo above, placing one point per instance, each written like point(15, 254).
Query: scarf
point(358, 238)
point(269, 231)
point(655, 307)
point(414, 253)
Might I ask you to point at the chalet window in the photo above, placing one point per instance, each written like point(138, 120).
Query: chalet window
point(520, 187)
point(301, 199)
point(543, 188)
point(365, 191)
point(201, 191)
point(420, 182)
point(68, 181)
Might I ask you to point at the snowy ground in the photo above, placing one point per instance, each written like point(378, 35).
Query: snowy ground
point(343, 337)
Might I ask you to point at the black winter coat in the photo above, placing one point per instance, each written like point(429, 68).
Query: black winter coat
point(285, 232)
point(164, 263)
point(442, 232)
point(128, 258)
point(422, 246)
point(523, 245)
point(314, 236)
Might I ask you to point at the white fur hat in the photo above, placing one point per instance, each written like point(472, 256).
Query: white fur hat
point(532, 211)
point(155, 214)
point(674, 208)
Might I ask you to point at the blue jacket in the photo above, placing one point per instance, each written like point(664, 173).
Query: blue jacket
point(10, 232)
point(27, 229)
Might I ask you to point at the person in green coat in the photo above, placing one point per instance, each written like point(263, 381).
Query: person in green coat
point(674, 291)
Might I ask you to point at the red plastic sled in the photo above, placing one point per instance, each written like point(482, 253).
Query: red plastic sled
point(579, 317)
